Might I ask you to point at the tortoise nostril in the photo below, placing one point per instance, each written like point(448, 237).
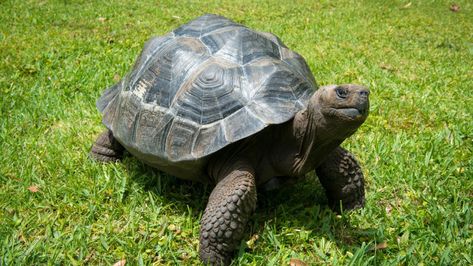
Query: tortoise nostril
point(364, 93)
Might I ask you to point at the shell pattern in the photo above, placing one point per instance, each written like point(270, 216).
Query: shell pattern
point(207, 84)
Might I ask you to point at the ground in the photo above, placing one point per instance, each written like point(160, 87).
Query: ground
point(416, 148)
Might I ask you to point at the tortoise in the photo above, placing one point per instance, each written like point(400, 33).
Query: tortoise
point(216, 102)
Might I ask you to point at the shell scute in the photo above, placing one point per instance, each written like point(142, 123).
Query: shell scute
point(160, 80)
point(208, 140)
point(210, 95)
point(177, 144)
point(127, 111)
point(242, 123)
point(151, 137)
point(240, 45)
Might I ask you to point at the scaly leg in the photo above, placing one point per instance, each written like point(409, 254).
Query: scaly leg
point(230, 205)
point(342, 178)
point(106, 148)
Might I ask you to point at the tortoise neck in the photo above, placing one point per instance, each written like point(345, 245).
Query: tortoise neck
point(314, 139)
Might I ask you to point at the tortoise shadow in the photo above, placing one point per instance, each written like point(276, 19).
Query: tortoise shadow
point(181, 194)
point(300, 206)
point(304, 206)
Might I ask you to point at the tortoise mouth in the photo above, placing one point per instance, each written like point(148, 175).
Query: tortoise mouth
point(351, 113)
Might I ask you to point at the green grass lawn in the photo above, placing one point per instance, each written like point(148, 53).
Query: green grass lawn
point(57, 207)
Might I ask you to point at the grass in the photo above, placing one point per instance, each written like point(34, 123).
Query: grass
point(416, 147)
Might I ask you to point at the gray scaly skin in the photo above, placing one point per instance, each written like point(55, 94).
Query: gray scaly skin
point(106, 148)
point(342, 178)
point(274, 156)
point(230, 205)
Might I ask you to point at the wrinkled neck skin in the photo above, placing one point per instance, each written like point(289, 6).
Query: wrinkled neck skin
point(316, 135)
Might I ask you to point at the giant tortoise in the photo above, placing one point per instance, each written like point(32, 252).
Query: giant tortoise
point(216, 102)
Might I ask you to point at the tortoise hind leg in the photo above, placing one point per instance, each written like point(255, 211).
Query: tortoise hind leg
point(106, 148)
point(230, 206)
point(342, 178)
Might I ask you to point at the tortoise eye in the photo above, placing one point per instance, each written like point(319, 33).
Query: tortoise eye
point(341, 93)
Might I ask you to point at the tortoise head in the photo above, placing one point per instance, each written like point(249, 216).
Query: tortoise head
point(343, 107)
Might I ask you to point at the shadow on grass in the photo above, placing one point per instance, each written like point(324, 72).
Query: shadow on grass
point(304, 206)
point(181, 194)
point(300, 206)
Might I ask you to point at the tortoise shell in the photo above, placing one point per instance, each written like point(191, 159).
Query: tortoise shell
point(205, 85)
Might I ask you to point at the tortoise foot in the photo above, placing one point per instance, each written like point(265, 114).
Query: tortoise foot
point(230, 206)
point(353, 198)
point(106, 148)
point(343, 180)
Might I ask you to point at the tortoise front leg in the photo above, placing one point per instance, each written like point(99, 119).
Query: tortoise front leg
point(230, 205)
point(342, 178)
point(106, 148)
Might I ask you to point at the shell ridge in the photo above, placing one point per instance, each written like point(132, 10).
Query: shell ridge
point(148, 58)
point(297, 69)
point(203, 24)
point(166, 138)
point(225, 42)
point(140, 71)
point(255, 115)
point(300, 75)
point(187, 74)
point(185, 81)
point(256, 90)
point(201, 111)
point(241, 46)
